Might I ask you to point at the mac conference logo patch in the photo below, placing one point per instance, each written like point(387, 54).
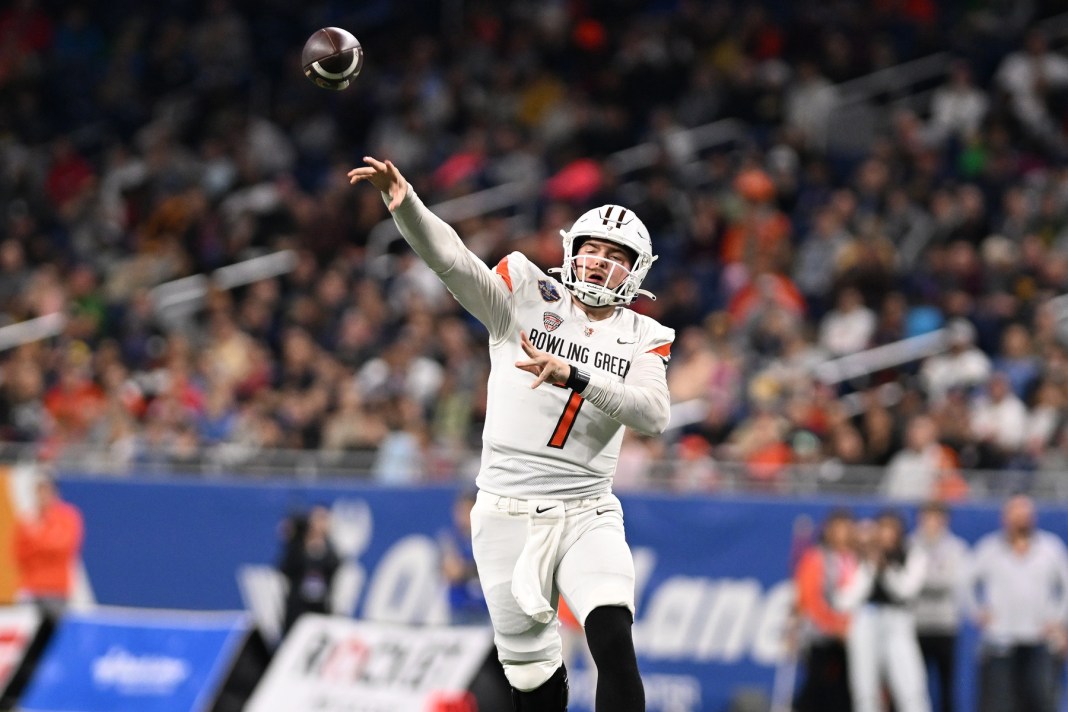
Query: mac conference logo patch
point(548, 290)
point(551, 321)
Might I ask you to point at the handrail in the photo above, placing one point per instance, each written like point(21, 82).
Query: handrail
point(893, 78)
point(701, 137)
point(863, 363)
point(464, 207)
point(25, 332)
point(708, 471)
point(507, 195)
point(176, 296)
point(186, 293)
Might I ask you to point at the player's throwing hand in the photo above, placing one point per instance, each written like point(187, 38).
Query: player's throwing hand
point(547, 368)
point(383, 176)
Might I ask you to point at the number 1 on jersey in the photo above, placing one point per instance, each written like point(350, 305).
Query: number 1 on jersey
point(567, 421)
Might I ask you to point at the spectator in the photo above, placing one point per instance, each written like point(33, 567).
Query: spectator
point(958, 107)
point(75, 401)
point(642, 462)
point(48, 544)
point(998, 424)
point(1034, 78)
point(810, 102)
point(917, 472)
point(1018, 596)
point(1044, 420)
point(1017, 360)
point(963, 366)
point(821, 571)
point(937, 608)
point(881, 641)
point(309, 564)
point(401, 371)
point(880, 430)
point(816, 262)
point(403, 455)
point(849, 326)
point(356, 425)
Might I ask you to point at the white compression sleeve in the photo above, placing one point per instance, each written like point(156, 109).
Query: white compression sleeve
point(641, 402)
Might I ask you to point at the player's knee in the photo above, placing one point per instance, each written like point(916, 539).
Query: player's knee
point(608, 633)
point(549, 696)
point(529, 676)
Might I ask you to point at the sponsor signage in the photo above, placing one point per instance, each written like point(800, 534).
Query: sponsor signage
point(18, 627)
point(713, 589)
point(110, 660)
point(342, 665)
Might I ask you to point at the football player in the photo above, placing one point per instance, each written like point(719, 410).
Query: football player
point(570, 367)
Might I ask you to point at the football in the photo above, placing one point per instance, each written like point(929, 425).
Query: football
point(332, 58)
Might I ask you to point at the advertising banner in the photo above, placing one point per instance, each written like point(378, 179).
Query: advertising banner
point(713, 572)
point(113, 660)
point(18, 627)
point(343, 665)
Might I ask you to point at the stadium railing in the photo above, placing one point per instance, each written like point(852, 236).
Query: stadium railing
point(684, 475)
point(517, 194)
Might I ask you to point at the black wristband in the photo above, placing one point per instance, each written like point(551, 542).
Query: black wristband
point(577, 380)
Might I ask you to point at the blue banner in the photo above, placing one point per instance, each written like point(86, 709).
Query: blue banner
point(713, 572)
point(111, 660)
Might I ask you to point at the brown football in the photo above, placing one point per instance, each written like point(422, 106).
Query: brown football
point(332, 58)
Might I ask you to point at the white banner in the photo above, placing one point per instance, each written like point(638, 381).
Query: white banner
point(335, 664)
point(18, 627)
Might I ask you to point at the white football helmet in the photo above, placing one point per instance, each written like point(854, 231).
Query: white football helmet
point(621, 226)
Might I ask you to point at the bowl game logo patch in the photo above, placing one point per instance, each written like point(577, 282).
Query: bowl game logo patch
point(549, 293)
point(551, 321)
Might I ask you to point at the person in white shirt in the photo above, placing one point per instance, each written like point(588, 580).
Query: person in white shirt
point(937, 608)
point(1017, 593)
point(964, 365)
point(1030, 77)
point(881, 643)
point(570, 368)
point(958, 107)
point(998, 423)
point(913, 472)
point(810, 103)
point(848, 327)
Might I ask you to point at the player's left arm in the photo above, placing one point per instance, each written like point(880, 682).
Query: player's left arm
point(641, 401)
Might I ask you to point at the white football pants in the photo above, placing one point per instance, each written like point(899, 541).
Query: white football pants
point(592, 566)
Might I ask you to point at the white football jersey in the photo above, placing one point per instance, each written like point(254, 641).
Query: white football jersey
point(547, 442)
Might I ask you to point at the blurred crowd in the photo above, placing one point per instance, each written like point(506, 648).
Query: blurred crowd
point(140, 144)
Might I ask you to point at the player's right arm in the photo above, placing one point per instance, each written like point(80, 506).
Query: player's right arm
point(479, 289)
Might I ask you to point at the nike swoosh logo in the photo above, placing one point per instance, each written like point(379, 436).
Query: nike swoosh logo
point(602, 511)
point(539, 510)
point(624, 341)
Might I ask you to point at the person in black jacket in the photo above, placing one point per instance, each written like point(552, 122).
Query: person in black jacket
point(309, 563)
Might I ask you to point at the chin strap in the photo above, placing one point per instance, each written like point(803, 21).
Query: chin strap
point(645, 293)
